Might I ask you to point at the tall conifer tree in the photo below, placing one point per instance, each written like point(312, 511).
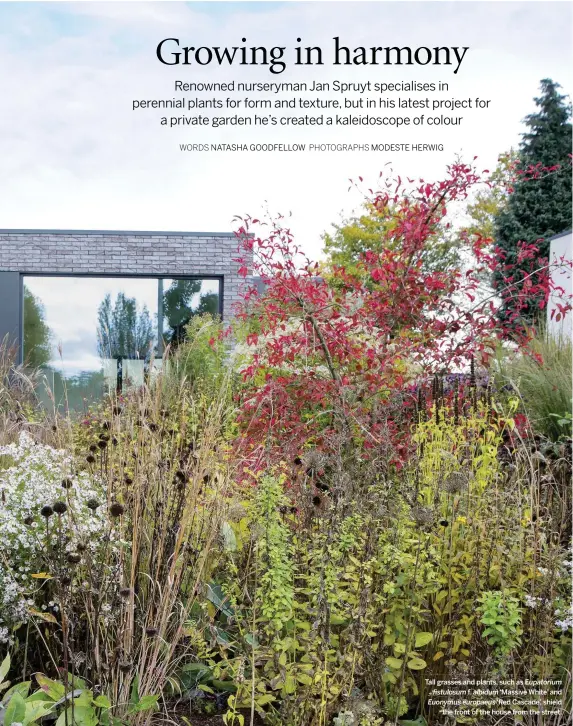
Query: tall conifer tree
point(539, 208)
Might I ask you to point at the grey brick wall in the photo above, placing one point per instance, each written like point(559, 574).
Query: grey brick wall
point(121, 253)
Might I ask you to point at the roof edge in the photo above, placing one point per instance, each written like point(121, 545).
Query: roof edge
point(117, 233)
point(561, 234)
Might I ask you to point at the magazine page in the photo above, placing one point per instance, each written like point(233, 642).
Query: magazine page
point(285, 363)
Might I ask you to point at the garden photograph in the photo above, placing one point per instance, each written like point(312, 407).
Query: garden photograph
point(346, 501)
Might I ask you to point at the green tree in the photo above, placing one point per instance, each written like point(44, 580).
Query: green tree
point(366, 232)
point(490, 201)
point(539, 207)
point(37, 334)
point(179, 307)
point(123, 330)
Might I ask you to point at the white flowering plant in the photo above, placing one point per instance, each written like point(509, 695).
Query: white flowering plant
point(48, 513)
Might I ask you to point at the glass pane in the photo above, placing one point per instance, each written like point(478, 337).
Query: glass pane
point(76, 329)
point(90, 335)
point(182, 299)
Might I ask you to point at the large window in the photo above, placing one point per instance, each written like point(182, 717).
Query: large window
point(88, 334)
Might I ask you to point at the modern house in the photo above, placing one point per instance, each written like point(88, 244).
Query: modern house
point(93, 307)
point(561, 257)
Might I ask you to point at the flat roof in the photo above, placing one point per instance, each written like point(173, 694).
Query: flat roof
point(118, 232)
point(561, 234)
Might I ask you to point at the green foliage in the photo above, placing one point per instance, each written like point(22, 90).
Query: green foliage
point(37, 335)
point(179, 307)
point(124, 330)
point(274, 552)
point(539, 207)
point(200, 359)
point(68, 703)
point(490, 201)
point(500, 614)
point(543, 383)
point(367, 232)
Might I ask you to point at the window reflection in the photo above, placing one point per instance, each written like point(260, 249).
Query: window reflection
point(90, 335)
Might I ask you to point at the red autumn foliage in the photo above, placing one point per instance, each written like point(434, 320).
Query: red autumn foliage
point(332, 358)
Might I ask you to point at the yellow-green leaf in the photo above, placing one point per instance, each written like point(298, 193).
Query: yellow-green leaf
point(423, 639)
point(47, 617)
point(416, 664)
point(394, 662)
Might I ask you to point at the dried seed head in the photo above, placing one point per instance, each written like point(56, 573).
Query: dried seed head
point(81, 546)
point(93, 448)
point(90, 458)
point(422, 515)
point(74, 558)
point(125, 592)
point(46, 511)
point(125, 666)
point(316, 501)
point(116, 509)
point(67, 483)
point(455, 482)
point(314, 462)
point(28, 520)
point(92, 504)
point(104, 437)
point(60, 507)
point(65, 580)
point(128, 480)
point(444, 522)
point(180, 475)
point(102, 444)
point(236, 513)
point(151, 632)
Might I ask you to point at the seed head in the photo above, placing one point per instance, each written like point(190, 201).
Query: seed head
point(74, 558)
point(422, 515)
point(116, 509)
point(60, 507)
point(67, 483)
point(92, 504)
point(151, 632)
point(93, 448)
point(46, 511)
point(102, 444)
point(28, 520)
point(125, 592)
point(90, 458)
point(455, 482)
point(125, 666)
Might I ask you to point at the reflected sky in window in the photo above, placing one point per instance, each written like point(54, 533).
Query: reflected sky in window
point(70, 308)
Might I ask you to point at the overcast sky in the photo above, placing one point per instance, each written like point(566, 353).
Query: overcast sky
point(74, 155)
